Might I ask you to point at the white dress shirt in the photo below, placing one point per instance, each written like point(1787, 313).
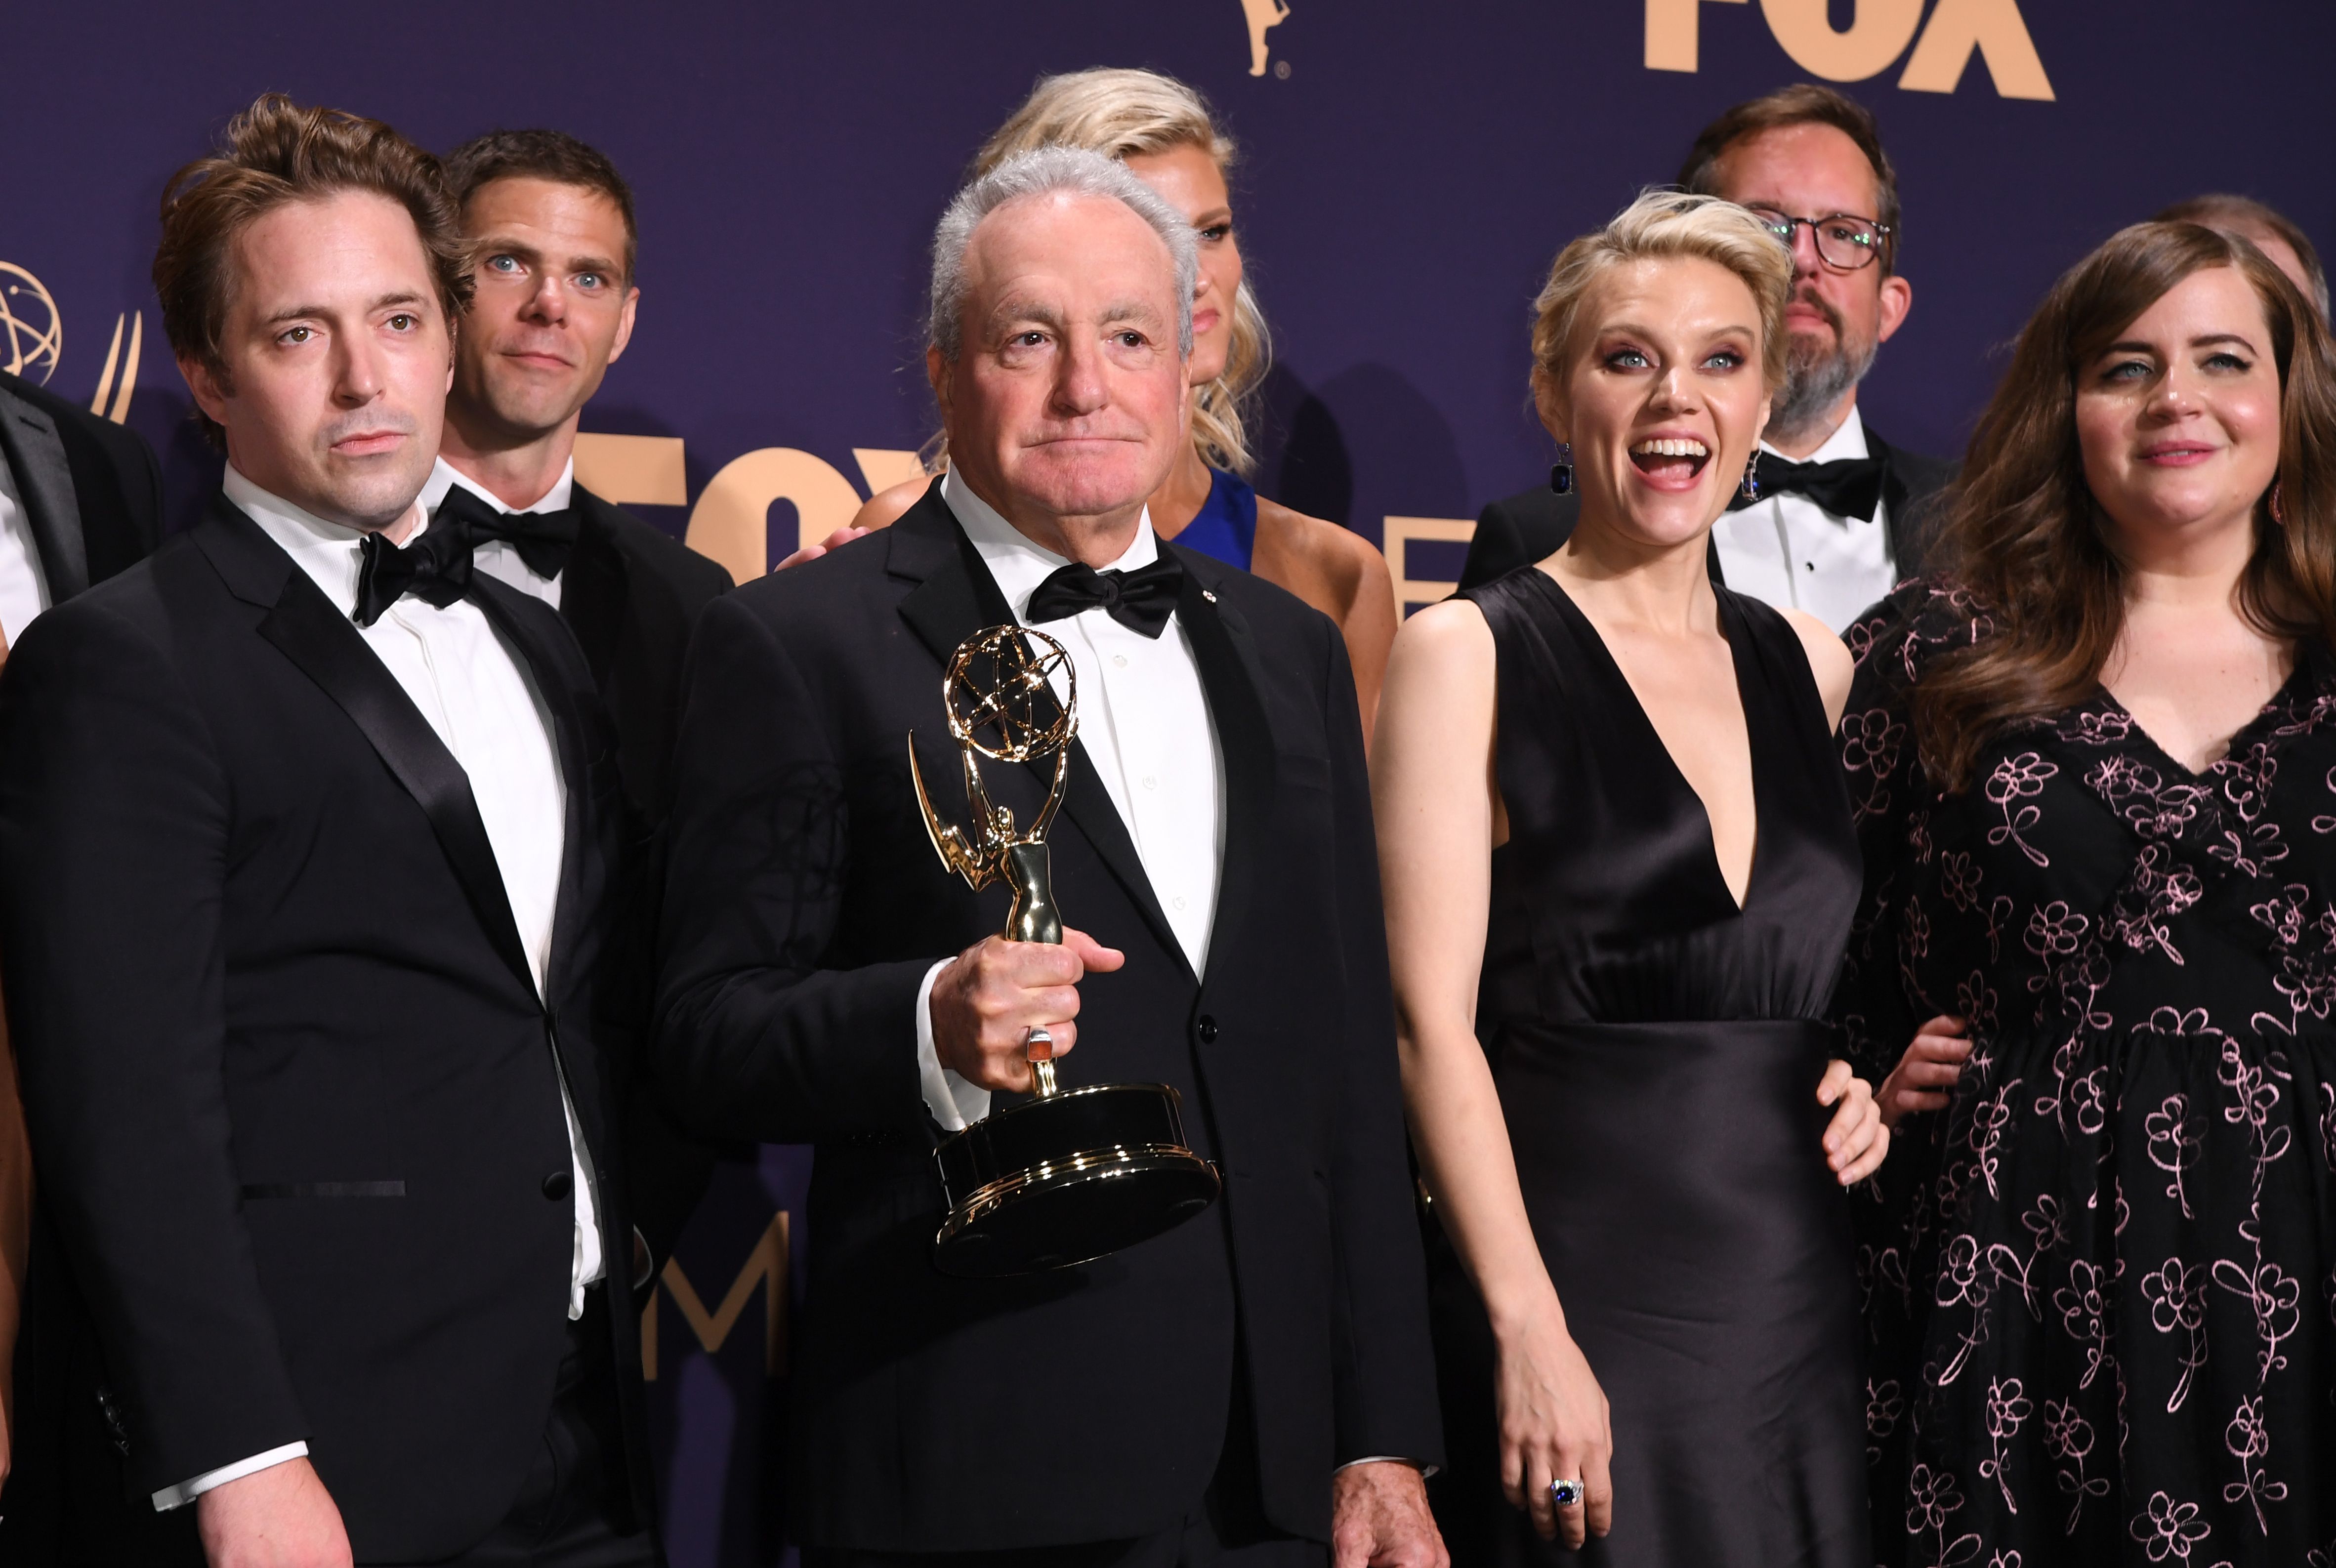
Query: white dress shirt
point(481, 701)
point(23, 586)
point(1143, 718)
point(1793, 554)
point(497, 558)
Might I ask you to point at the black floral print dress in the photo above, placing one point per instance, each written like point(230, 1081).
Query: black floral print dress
point(2100, 1287)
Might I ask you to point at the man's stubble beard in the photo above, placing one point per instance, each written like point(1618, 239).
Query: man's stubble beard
point(509, 412)
point(1816, 377)
point(372, 493)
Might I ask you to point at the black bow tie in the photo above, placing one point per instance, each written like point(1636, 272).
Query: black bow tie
point(542, 538)
point(1847, 487)
point(1139, 600)
point(435, 567)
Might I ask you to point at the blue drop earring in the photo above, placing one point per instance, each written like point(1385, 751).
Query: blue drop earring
point(1751, 485)
point(1560, 474)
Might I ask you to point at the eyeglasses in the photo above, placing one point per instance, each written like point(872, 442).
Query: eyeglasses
point(1843, 243)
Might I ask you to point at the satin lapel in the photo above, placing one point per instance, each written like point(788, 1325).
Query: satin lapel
point(1229, 676)
point(525, 623)
point(329, 651)
point(956, 598)
point(36, 460)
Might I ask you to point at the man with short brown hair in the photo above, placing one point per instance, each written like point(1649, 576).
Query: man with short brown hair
point(308, 861)
point(554, 226)
point(1840, 516)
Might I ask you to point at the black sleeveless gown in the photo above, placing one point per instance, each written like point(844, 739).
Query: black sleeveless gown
point(1658, 1052)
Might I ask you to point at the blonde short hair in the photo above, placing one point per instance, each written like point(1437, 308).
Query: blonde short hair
point(1660, 225)
point(1127, 113)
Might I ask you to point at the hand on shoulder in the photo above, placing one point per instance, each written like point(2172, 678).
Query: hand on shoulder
point(892, 503)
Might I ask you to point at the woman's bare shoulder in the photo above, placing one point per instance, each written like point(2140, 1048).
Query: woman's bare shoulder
point(1829, 659)
point(1452, 635)
point(1316, 560)
point(1319, 539)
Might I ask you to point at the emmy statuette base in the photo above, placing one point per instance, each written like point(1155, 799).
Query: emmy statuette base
point(1067, 1179)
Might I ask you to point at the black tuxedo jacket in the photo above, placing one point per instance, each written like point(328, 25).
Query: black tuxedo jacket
point(293, 1096)
point(803, 906)
point(1520, 528)
point(92, 490)
point(630, 593)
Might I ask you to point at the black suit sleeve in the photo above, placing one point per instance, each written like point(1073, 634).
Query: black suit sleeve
point(141, 481)
point(114, 845)
point(1383, 1385)
point(756, 1039)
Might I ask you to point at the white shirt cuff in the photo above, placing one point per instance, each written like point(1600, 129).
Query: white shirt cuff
point(949, 1099)
point(186, 1491)
point(1388, 1459)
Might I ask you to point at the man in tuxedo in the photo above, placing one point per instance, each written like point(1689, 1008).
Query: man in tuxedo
point(552, 222)
point(80, 498)
point(311, 862)
point(1842, 516)
point(1257, 1381)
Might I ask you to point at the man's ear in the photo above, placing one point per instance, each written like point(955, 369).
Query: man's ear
point(936, 372)
point(1897, 300)
point(625, 324)
point(209, 387)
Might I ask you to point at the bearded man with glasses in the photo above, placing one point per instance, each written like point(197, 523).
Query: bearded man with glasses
point(1840, 516)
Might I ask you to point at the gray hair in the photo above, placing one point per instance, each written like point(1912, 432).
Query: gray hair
point(1051, 171)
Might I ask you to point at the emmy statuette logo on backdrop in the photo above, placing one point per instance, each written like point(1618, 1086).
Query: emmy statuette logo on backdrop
point(31, 334)
point(32, 340)
point(1264, 15)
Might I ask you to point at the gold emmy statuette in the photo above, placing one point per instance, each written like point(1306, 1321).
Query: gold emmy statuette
point(1068, 1175)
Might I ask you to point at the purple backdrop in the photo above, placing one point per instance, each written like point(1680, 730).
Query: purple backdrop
point(1408, 170)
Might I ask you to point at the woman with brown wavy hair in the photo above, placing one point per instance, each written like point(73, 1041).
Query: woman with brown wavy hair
point(2094, 769)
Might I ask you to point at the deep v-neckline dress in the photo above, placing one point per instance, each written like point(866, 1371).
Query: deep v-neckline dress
point(1656, 1051)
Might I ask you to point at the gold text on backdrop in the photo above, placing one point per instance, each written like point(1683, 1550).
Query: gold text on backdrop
point(1878, 34)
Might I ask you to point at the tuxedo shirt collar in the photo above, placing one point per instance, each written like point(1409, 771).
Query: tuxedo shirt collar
point(331, 553)
point(1018, 563)
point(444, 476)
point(1848, 441)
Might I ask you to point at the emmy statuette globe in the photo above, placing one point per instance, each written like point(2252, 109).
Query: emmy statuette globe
point(1068, 1175)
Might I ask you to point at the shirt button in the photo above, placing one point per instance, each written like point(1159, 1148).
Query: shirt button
point(1119, 659)
point(1179, 901)
point(1150, 783)
point(557, 1185)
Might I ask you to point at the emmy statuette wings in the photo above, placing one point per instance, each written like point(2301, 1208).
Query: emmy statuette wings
point(1068, 1175)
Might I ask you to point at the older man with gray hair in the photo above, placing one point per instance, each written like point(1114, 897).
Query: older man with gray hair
point(1254, 1386)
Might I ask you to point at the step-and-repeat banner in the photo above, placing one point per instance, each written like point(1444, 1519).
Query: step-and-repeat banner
point(1408, 169)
